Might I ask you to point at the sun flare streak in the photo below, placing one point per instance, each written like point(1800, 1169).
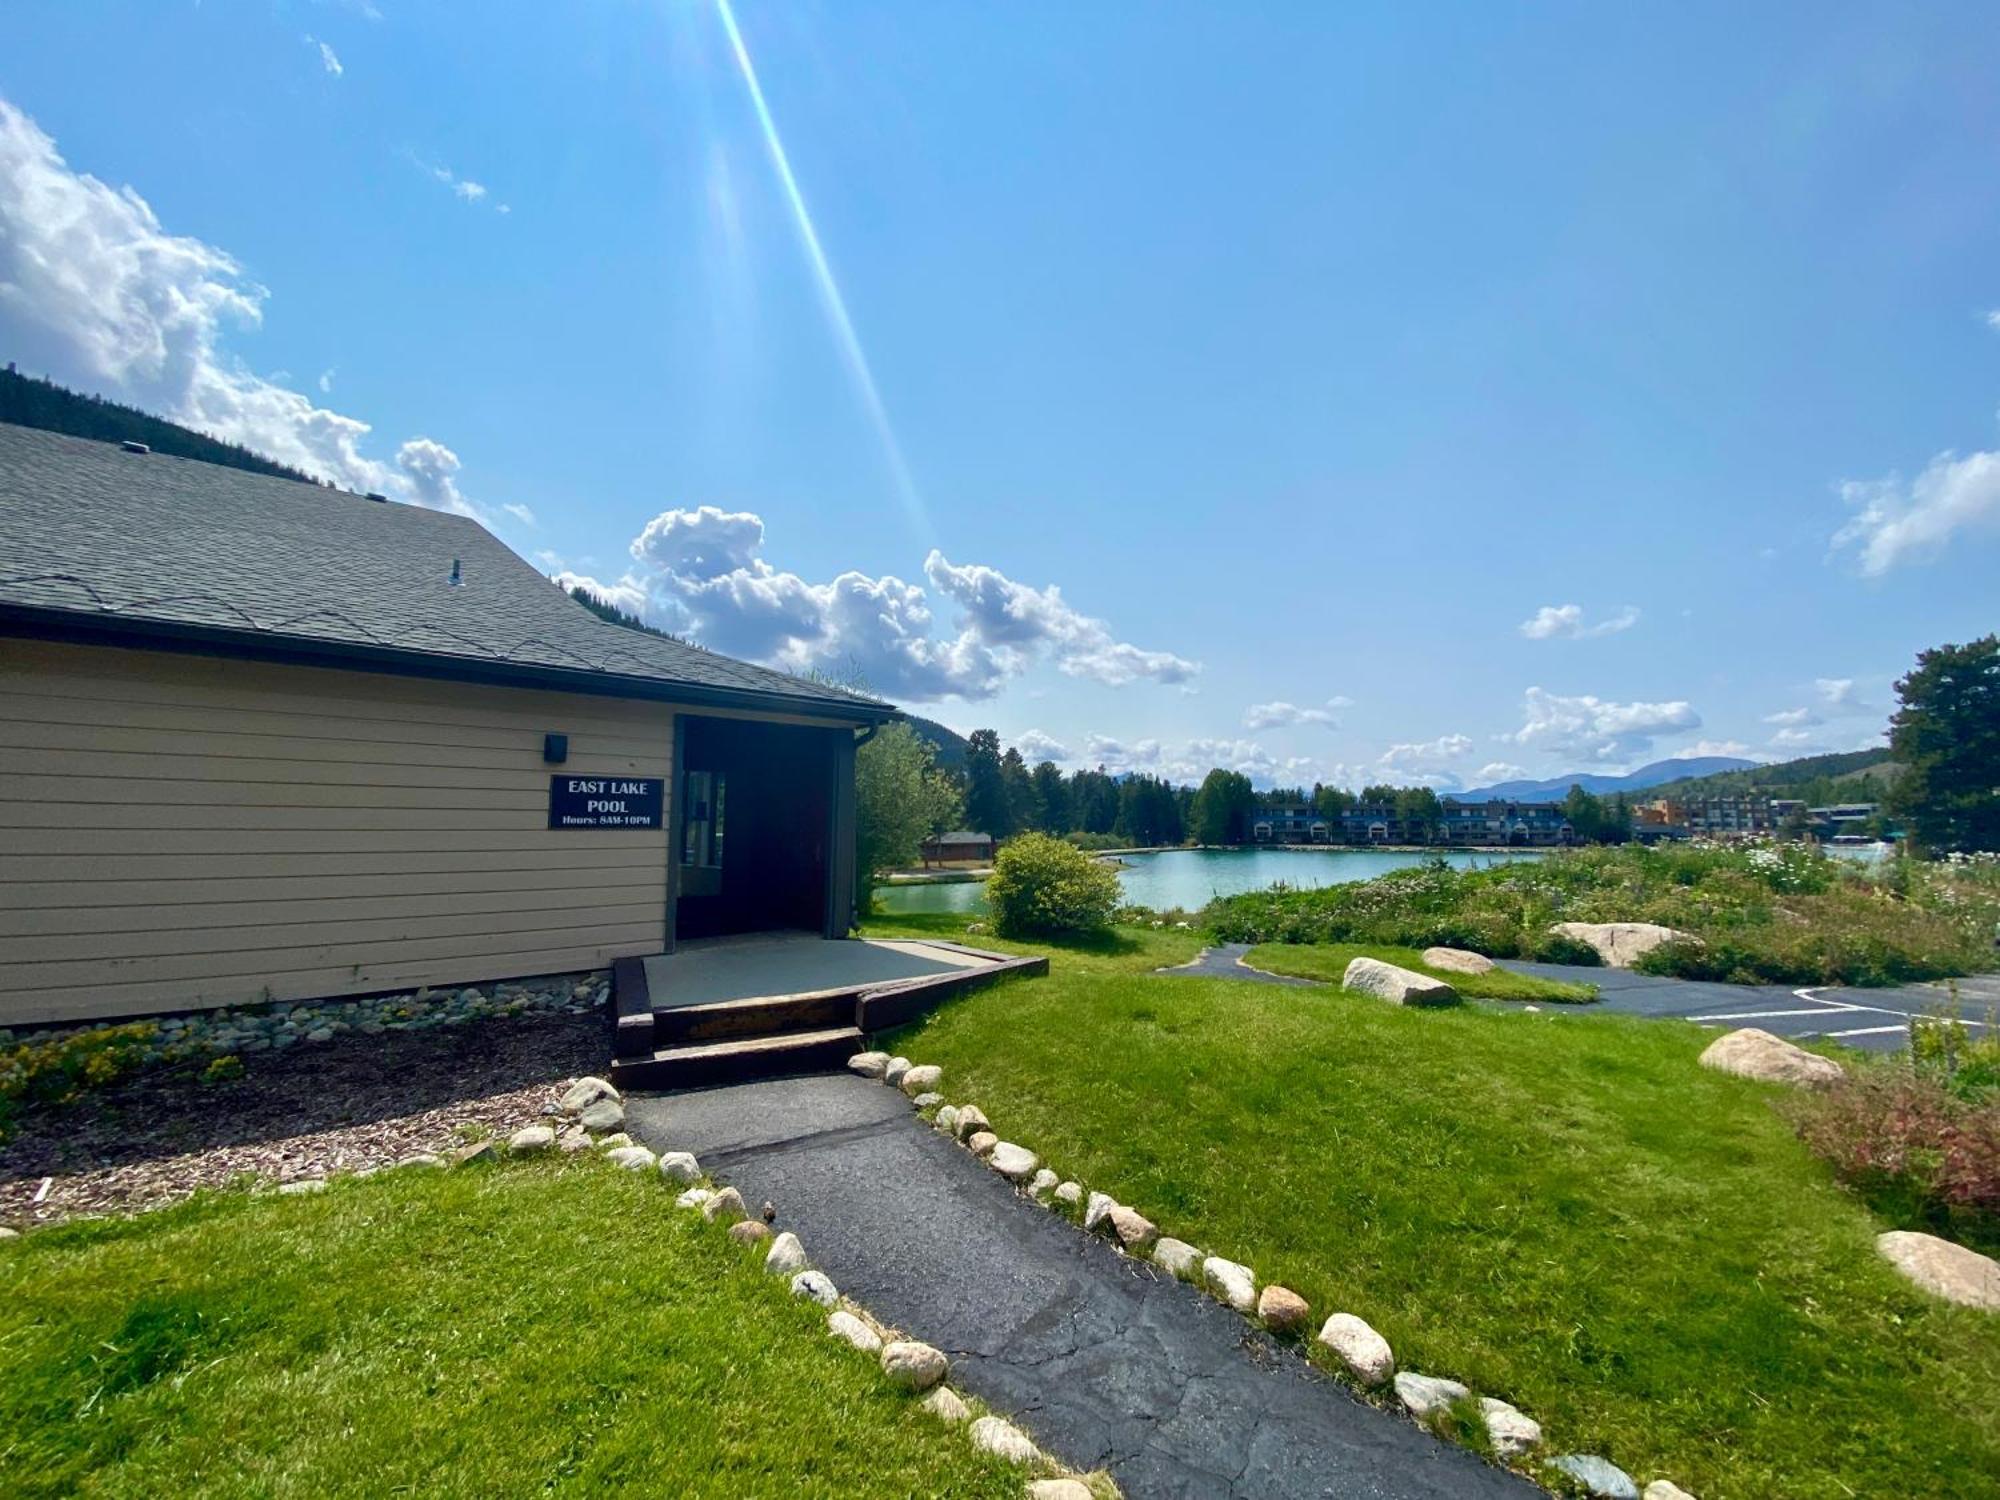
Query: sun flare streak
point(829, 289)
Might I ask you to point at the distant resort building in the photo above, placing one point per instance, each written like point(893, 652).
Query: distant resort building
point(1492, 823)
point(1499, 821)
point(963, 847)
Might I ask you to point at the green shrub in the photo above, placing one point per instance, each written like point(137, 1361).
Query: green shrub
point(57, 1070)
point(1041, 885)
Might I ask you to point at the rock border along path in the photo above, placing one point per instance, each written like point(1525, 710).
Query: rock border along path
point(1109, 1362)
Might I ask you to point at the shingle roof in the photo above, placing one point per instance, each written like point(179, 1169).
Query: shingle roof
point(93, 531)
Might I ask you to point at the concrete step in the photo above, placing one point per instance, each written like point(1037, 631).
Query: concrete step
point(695, 1064)
point(725, 1020)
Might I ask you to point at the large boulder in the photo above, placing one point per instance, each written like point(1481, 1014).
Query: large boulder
point(1457, 961)
point(1621, 944)
point(1015, 1163)
point(1001, 1438)
point(1942, 1268)
point(1427, 1395)
point(1359, 1347)
point(1600, 1477)
point(1510, 1430)
point(585, 1092)
point(1231, 1284)
point(913, 1366)
point(1750, 1053)
point(1370, 976)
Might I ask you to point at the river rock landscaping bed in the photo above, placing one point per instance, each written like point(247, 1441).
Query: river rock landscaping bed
point(345, 1086)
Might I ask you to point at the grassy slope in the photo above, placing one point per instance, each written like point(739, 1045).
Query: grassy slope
point(1329, 961)
point(1560, 1209)
point(554, 1328)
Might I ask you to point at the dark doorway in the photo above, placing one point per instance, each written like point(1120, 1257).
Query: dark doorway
point(752, 825)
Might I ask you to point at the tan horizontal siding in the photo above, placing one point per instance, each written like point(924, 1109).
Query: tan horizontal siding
point(180, 831)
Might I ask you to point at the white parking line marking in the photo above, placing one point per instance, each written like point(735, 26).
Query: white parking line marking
point(1866, 1031)
point(1765, 1015)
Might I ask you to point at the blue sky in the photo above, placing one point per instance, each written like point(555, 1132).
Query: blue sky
point(1335, 392)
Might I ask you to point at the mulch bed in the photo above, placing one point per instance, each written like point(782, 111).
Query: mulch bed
point(357, 1101)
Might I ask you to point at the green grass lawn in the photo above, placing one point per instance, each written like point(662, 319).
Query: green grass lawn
point(1329, 961)
point(1560, 1209)
point(553, 1328)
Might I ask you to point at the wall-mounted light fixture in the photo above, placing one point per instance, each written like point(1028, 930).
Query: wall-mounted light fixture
point(555, 748)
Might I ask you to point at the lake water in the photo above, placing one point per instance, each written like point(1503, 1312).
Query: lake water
point(1191, 878)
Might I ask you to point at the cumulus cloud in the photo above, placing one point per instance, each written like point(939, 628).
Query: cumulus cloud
point(1036, 746)
point(1425, 756)
point(327, 58)
point(96, 294)
point(520, 513)
point(702, 573)
point(1839, 695)
point(1718, 747)
point(1281, 714)
point(1500, 770)
point(1792, 717)
point(1121, 755)
point(1009, 616)
point(1792, 738)
point(1566, 622)
point(1896, 522)
point(1597, 729)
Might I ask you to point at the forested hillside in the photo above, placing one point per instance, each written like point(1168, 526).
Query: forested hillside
point(27, 401)
point(1856, 776)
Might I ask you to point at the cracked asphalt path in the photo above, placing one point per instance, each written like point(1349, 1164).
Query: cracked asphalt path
point(1109, 1363)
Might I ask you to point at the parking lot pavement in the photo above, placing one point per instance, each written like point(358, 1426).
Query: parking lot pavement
point(1874, 1020)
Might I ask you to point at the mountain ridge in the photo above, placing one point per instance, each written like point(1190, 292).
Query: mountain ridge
point(1659, 773)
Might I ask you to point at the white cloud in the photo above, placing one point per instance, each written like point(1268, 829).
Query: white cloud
point(1500, 770)
point(327, 58)
point(1717, 747)
point(1792, 738)
point(1896, 522)
point(462, 188)
point(1009, 616)
point(1121, 755)
point(1993, 319)
point(1792, 717)
point(96, 294)
point(1839, 695)
point(1246, 756)
point(1281, 714)
point(326, 381)
point(520, 513)
point(1036, 746)
point(469, 190)
point(1426, 756)
point(701, 572)
point(1567, 622)
point(1597, 729)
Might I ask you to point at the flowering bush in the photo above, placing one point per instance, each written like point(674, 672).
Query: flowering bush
point(1774, 913)
point(1042, 885)
point(57, 1070)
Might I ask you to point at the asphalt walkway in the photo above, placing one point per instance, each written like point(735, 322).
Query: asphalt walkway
point(1108, 1362)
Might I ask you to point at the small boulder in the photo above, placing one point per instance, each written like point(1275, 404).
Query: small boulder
point(585, 1092)
point(632, 1158)
point(421, 1159)
point(693, 1198)
point(1135, 1231)
point(787, 1256)
point(1097, 1212)
point(602, 1115)
point(946, 1119)
point(680, 1166)
point(573, 1140)
point(868, 1064)
point(1511, 1431)
point(1600, 1477)
point(893, 1071)
point(8, 1233)
point(926, 1101)
point(921, 1079)
point(816, 1285)
point(1282, 1310)
point(1059, 1489)
point(914, 1366)
point(1042, 1184)
point(749, 1231)
point(971, 1120)
point(1370, 976)
point(1177, 1258)
point(1750, 1053)
point(476, 1154)
point(612, 1142)
point(1427, 1395)
point(1621, 944)
point(726, 1207)
point(1015, 1163)
point(1457, 961)
point(1070, 1193)
point(530, 1140)
point(1230, 1283)
point(981, 1142)
point(303, 1185)
point(844, 1325)
point(1359, 1347)
point(945, 1404)
point(1942, 1268)
point(1001, 1438)
point(1664, 1489)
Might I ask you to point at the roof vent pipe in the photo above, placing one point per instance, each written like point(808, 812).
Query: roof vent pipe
point(457, 580)
point(372, 495)
point(131, 447)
